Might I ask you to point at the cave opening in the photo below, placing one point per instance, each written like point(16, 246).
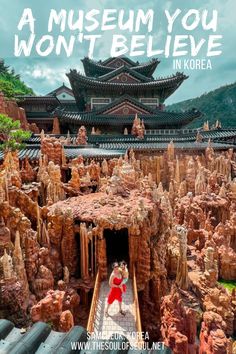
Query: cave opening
point(67, 173)
point(78, 270)
point(117, 246)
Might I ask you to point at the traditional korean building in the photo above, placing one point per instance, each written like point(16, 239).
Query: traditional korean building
point(122, 106)
point(113, 91)
point(39, 109)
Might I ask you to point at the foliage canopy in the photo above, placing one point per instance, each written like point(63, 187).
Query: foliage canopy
point(218, 104)
point(11, 84)
point(11, 135)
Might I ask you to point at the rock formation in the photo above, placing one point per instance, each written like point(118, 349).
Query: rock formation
point(82, 136)
point(52, 148)
point(27, 172)
point(179, 323)
point(11, 109)
point(5, 238)
point(138, 128)
point(56, 126)
point(182, 268)
point(177, 213)
point(55, 189)
point(212, 337)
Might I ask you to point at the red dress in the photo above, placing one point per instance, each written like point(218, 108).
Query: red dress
point(124, 287)
point(115, 293)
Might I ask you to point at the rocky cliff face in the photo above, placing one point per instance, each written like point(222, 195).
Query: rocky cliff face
point(11, 109)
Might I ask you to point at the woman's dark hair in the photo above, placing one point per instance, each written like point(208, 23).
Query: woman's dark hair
point(123, 263)
point(115, 264)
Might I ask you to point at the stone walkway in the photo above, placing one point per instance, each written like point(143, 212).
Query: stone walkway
point(116, 323)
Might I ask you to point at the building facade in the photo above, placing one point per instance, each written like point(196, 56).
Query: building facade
point(113, 91)
point(122, 106)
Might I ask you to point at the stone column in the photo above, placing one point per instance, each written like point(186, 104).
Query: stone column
point(19, 265)
point(182, 269)
point(102, 254)
point(134, 238)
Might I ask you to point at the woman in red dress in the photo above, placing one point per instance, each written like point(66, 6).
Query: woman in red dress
point(116, 288)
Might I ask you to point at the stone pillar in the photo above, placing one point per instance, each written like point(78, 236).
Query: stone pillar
point(102, 255)
point(171, 150)
point(5, 237)
point(211, 268)
point(182, 269)
point(7, 266)
point(84, 251)
point(143, 256)
point(69, 250)
point(177, 172)
point(56, 126)
point(19, 265)
point(133, 247)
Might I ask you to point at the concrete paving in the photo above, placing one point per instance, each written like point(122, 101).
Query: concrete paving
point(116, 322)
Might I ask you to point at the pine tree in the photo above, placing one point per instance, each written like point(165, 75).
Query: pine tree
point(11, 135)
point(11, 84)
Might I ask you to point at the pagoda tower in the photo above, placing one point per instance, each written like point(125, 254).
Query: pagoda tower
point(113, 91)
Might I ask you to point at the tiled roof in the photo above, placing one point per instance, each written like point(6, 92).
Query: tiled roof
point(36, 99)
point(110, 149)
point(147, 69)
point(32, 151)
point(38, 115)
point(179, 136)
point(124, 58)
point(143, 145)
point(214, 135)
point(124, 69)
point(94, 68)
point(157, 119)
point(100, 146)
point(41, 339)
point(164, 87)
point(71, 152)
point(90, 82)
point(97, 75)
point(115, 147)
point(59, 89)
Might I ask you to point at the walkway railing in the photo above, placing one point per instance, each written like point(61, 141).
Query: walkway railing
point(94, 305)
point(136, 303)
point(93, 308)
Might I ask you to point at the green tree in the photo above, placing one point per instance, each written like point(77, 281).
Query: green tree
point(217, 104)
point(7, 88)
point(11, 135)
point(3, 67)
point(11, 84)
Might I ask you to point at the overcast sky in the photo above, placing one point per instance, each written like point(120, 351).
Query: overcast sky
point(45, 74)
